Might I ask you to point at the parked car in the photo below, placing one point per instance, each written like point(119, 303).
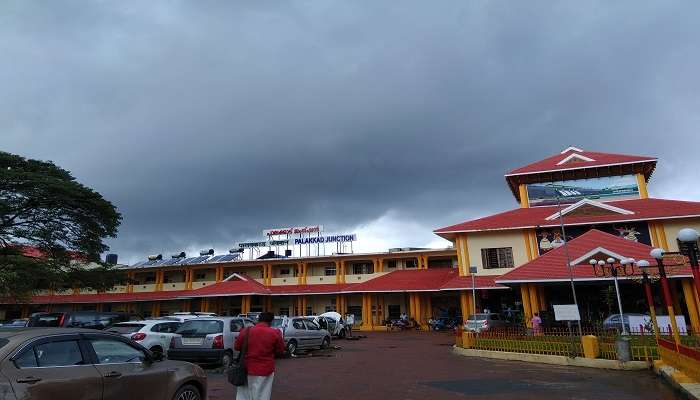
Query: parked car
point(445, 323)
point(484, 321)
point(613, 322)
point(301, 333)
point(155, 335)
point(251, 315)
point(60, 363)
point(185, 316)
point(16, 323)
point(207, 340)
point(78, 319)
point(334, 326)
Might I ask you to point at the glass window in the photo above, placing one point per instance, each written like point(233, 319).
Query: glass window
point(411, 264)
point(311, 325)
point(58, 354)
point(284, 311)
point(78, 320)
point(330, 271)
point(501, 257)
point(237, 325)
point(391, 264)
point(126, 328)
point(27, 359)
point(200, 327)
point(298, 324)
point(48, 320)
point(115, 351)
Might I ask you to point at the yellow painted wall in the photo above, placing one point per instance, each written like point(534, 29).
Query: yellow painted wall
point(481, 240)
point(671, 228)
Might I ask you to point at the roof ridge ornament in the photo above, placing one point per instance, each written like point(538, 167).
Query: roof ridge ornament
point(571, 148)
point(577, 156)
point(589, 202)
point(584, 259)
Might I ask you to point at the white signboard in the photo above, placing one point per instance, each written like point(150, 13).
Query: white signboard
point(639, 324)
point(566, 312)
point(297, 230)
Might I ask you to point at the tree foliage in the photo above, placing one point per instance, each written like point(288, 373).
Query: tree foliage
point(52, 229)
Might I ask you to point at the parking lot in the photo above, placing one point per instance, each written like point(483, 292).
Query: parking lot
point(420, 365)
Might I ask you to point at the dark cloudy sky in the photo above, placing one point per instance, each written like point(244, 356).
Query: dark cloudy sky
point(205, 122)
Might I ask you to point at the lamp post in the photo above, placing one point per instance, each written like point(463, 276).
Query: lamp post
point(658, 254)
point(688, 246)
point(609, 268)
point(644, 266)
point(472, 272)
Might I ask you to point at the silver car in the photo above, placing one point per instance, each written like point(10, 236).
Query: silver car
point(301, 333)
point(207, 340)
point(484, 322)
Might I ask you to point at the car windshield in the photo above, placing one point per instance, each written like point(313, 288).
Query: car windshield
point(477, 317)
point(125, 328)
point(46, 320)
point(200, 327)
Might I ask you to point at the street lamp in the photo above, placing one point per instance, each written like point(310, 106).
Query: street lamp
point(644, 266)
point(658, 254)
point(609, 268)
point(688, 246)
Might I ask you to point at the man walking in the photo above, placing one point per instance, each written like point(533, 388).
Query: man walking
point(349, 323)
point(264, 343)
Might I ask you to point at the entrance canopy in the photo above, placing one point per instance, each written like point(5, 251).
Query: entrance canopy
point(594, 244)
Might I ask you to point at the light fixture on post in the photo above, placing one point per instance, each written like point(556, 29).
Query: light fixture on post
point(644, 266)
point(608, 268)
point(688, 246)
point(658, 254)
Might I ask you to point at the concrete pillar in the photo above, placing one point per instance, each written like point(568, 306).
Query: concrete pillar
point(525, 297)
point(466, 303)
point(245, 304)
point(541, 298)
point(534, 302)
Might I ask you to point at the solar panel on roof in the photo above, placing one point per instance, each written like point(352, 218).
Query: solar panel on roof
point(195, 260)
point(139, 264)
point(216, 259)
point(230, 257)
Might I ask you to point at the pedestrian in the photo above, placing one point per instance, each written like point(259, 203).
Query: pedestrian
point(264, 343)
point(404, 317)
point(349, 323)
point(536, 322)
point(431, 324)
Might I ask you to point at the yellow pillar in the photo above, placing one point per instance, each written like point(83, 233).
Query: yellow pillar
point(245, 304)
point(534, 301)
point(642, 183)
point(462, 248)
point(524, 201)
point(654, 236)
point(379, 265)
point(528, 245)
point(25, 311)
point(338, 272)
point(300, 278)
point(466, 302)
point(219, 273)
point(662, 235)
point(689, 295)
point(130, 285)
point(527, 311)
point(203, 306)
point(187, 305)
point(268, 304)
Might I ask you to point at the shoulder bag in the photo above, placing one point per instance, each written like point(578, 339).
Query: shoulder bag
point(237, 373)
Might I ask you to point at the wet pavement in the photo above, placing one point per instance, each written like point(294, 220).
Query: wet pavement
point(420, 366)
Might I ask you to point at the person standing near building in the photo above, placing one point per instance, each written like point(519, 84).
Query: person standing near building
point(349, 323)
point(536, 322)
point(264, 343)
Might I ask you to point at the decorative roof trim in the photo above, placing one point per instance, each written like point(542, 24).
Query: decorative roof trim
point(586, 257)
point(582, 167)
point(592, 203)
point(236, 275)
point(571, 148)
point(575, 155)
point(567, 224)
point(555, 280)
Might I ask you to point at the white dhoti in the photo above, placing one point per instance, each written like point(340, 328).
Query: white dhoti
point(258, 388)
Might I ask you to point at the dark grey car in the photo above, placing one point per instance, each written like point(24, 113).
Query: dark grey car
point(82, 364)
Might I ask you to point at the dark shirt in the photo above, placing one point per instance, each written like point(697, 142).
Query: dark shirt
point(263, 344)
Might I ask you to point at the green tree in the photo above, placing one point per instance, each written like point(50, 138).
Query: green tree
point(52, 230)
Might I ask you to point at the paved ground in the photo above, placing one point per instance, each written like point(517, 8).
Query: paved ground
point(420, 366)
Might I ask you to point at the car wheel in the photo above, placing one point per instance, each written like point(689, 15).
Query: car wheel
point(187, 392)
point(226, 359)
point(326, 343)
point(292, 347)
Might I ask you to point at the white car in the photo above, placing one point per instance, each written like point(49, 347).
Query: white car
point(186, 316)
point(153, 334)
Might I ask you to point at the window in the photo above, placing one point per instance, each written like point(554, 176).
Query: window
point(501, 257)
point(194, 327)
point(58, 354)
point(310, 325)
point(128, 328)
point(27, 359)
point(236, 325)
point(330, 271)
point(298, 324)
point(309, 310)
point(363, 268)
point(394, 311)
point(410, 263)
point(110, 351)
point(151, 279)
point(284, 271)
point(200, 275)
point(82, 320)
point(284, 311)
point(167, 327)
point(391, 264)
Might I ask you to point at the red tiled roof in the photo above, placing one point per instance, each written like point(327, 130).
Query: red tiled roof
point(243, 286)
point(109, 297)
point(326, 288)
point(552, 266)
point(417, 280)
point(599, 159)
point(643, 209)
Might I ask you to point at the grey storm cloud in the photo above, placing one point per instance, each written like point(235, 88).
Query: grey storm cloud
point(205, 122)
